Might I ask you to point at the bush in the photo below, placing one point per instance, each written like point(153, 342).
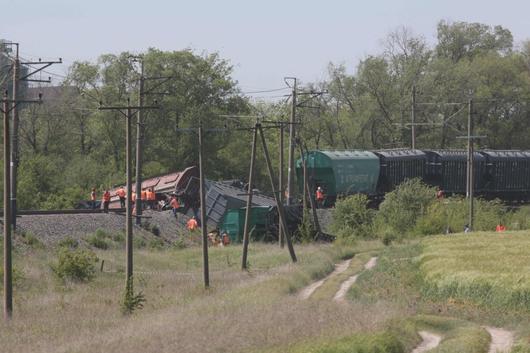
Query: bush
point(352, 218)
point(98, 242)
point(119, 237)
point(450, 215)
point(69, 243)
point(99, 239)
point(403, 206)
point(75, 265)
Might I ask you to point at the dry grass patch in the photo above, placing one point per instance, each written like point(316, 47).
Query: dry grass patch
point(242, 310)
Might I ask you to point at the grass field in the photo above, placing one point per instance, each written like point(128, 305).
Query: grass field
point(450, 285)
point(488, 269)
point(241, 311)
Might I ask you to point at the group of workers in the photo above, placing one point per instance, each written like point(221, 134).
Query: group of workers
point(148, 197)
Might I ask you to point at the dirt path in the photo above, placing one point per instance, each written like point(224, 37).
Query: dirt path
point(430, 341)
point(501, 340)
point(346, 285)
point(309, 290)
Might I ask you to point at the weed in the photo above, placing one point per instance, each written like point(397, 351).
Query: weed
point(131, 301)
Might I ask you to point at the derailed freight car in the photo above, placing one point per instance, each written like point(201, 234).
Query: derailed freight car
point(497, 174)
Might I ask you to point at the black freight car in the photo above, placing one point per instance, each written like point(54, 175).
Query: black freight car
point(447, 169)
point(396, 166)
point(507, 175)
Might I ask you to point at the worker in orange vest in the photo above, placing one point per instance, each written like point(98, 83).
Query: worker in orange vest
point(151, 198)
point(192, 224)
point(226, 239)
point(500, 228)
point(93, 198)
point(320, 197)
point(174, 205)
point(106, 201)
point(121, 194)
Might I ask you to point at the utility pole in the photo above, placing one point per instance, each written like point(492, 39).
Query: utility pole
point(292, 135)
point(15, 160)
point(413, 118)
point(470, 174)
point(8, 269)
point(140, 131)
point(204, 220)
point(127, 112)
point(249, 199)
point(139, 145)
point(8, 105)
point(280, 184)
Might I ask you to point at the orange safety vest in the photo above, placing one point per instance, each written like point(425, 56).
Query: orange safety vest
point(192, 224)
point(151, 196)
point(320, 195)
point(106, 196)
point(143, 195)
point(120, 192)
point(174, 203)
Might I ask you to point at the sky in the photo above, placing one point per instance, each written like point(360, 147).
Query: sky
point(265, 41)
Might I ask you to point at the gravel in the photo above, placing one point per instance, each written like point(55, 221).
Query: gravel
point(50, 229)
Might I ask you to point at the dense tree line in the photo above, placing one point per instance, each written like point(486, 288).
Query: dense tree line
point(69, 146)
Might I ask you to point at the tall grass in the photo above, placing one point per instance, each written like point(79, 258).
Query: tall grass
point(488, 269)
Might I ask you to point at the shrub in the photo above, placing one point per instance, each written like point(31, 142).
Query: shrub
point(403, 206)
point(98, 242)
point(69, 243)
point(352, 218)
point(99, 239)
point(76, 265)
point(119, 237)
point(450, 215)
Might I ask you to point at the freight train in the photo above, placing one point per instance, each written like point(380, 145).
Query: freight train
point(497, 174)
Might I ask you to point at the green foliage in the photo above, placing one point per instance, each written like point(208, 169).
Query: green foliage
point(139, 242)
point(157, 244)
point(69, 243)
point(352, 219)
point(306, 232)
point(451, 214)
point(131, 301)
point(402, 207)
point(31, 240)
point(99, 240)
point(75, 265)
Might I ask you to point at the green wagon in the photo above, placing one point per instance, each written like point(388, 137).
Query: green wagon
point(340, 172)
